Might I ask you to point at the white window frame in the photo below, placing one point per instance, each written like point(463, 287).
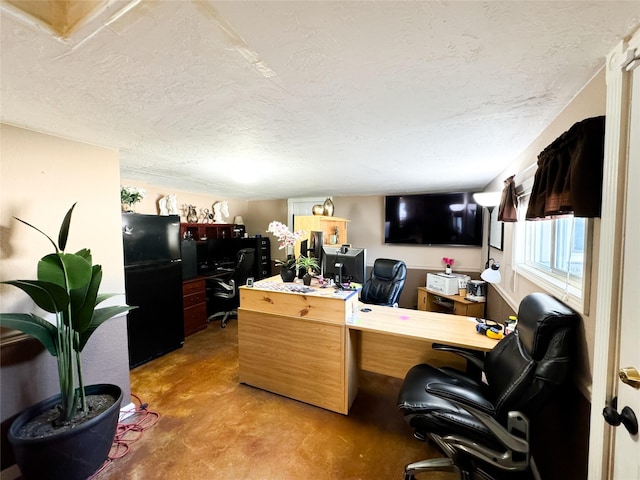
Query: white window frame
point(575, 294)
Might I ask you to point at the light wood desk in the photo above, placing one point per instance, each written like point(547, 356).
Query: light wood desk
point(310, 346)
point(392, 340)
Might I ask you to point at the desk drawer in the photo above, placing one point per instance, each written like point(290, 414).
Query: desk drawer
point(196, 298)
point(193, 287)
point(195, 318)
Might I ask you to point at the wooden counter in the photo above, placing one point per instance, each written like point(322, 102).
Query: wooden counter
point(294, 344)
point(310, 346)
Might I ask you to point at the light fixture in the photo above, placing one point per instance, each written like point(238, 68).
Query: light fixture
point(237, 220)
point(489, 200)
point(491, 273)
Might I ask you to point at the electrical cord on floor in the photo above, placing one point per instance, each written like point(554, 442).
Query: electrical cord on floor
point(129, 431)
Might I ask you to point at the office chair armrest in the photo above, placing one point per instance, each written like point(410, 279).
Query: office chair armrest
point(470, 355)
point(515, 437)
point(220, 285)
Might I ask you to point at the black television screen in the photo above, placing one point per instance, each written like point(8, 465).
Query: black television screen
point(433, 219)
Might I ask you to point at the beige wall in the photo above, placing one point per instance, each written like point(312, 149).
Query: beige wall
point(589, 102)
point(41, 176)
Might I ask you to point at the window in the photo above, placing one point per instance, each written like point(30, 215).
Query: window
point(556, 255)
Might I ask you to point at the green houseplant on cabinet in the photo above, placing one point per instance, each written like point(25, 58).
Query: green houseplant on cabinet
point(310, 265)
point(68, 435)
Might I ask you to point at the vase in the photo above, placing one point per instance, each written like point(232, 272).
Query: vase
point(447, 270)
point(287, 274)
point(70, 455)
point(306, 279)
point(127, 208)
point(192, 215)
point(328, 207)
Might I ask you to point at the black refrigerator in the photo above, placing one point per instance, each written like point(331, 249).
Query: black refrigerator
point(153, 282)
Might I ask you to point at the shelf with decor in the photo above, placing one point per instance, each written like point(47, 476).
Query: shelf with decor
point(322, 223)
point(204, 231)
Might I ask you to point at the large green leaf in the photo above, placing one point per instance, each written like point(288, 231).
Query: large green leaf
point(64, 229)
point(82, 315)
point(100, 315)
point(34, 326)
point(52, 268)
point(38, 230)
point(48, 296)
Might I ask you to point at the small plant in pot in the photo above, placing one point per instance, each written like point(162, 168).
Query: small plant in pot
point(310, 265)
point(47, 438)
point(287, 268)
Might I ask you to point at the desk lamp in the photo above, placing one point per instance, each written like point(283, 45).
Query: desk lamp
point(491, 273)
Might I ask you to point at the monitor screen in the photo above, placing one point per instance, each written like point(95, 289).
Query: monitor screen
point(344, 264)
point(433, 219)
point(316, 241)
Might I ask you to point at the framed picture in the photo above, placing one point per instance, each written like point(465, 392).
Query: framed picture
point(497, 230)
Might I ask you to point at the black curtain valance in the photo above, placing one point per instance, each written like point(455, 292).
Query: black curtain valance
point(569, 175)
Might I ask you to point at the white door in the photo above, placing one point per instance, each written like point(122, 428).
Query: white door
point(626, 461)
point(614, 453)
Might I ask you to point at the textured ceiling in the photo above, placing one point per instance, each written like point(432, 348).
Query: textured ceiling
point(286, 99)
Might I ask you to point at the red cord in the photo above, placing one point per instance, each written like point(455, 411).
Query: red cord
point(128, 432)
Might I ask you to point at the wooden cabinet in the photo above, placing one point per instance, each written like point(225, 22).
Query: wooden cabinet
point(321, 223)
point(204, 231)
point(455, 304)
point(194, 299)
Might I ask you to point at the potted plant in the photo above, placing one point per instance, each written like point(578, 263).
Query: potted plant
point(310, 265)
point(49, 439)
point(129, 196)
point(287, 240)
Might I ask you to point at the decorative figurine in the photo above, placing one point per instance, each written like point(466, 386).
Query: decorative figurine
point(192, 214)
point(207, 216)
point(220, 209)
point(168, 205)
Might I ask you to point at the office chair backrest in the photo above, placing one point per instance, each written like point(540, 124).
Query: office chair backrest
point(385, 283)
point(526, 366)
point(245, 260)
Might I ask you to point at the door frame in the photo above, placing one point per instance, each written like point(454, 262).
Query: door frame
point(610, 266)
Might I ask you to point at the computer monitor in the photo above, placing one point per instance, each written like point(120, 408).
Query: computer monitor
point(316, 240)
point(344, 264)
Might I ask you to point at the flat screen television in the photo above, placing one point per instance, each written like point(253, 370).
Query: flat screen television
point(344, 264)
point(433, 219)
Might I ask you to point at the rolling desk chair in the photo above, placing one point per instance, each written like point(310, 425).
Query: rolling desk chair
point(222, 293)
point(483, 427)
point(385, 283)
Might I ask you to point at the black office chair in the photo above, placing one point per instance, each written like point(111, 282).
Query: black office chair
point(385, 283)
point(222, 293)
point(483, 426)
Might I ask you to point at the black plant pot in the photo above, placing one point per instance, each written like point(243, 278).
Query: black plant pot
point(71, 455)
point(288, 274)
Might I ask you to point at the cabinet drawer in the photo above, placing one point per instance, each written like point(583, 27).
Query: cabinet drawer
point(195, 299)
point(195, 318)
point(193, 287)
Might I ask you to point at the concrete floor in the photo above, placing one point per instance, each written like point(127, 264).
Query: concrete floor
point(212, 427)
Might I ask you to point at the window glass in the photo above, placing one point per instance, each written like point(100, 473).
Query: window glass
point(555, 254)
